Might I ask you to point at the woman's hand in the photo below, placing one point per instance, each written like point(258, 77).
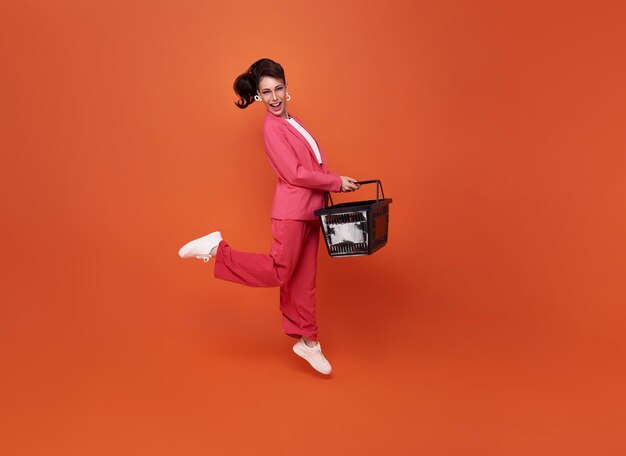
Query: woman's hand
point(349, 184)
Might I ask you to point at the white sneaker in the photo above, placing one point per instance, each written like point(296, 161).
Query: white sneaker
point(313, 355)
point(201, 247)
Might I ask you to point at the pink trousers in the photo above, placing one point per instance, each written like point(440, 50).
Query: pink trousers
point(291, 265)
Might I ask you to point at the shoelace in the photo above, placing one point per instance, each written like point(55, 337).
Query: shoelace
point(204, 257)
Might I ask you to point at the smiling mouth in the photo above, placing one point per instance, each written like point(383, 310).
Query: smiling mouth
point(277, 105)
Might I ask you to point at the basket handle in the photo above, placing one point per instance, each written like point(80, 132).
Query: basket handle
point(378, 184)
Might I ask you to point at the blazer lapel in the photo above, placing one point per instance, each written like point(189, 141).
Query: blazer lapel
point(293, 130)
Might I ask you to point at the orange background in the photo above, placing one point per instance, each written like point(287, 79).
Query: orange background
point(491, 324)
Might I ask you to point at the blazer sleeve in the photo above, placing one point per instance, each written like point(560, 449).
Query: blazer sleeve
point(284, 161)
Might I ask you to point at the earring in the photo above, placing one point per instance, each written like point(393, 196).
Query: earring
point(288, 97)
point(257, 98)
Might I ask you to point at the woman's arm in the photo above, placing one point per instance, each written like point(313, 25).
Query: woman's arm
point(285, 162)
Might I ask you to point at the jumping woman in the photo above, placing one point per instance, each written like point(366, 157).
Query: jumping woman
point(303, 180)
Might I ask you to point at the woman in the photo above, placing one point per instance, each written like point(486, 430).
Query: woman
point(303, 180)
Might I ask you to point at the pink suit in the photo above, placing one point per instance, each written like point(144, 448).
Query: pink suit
point(292, 260)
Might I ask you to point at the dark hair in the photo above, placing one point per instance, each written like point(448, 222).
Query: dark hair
point(247, 83)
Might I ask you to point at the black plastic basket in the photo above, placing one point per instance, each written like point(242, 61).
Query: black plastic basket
point(358, 228)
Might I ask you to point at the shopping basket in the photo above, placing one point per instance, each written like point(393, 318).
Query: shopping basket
point(357, 228)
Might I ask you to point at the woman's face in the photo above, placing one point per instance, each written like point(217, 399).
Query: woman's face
point(273, 92)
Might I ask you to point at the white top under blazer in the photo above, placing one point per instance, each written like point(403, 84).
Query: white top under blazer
point(308, 137)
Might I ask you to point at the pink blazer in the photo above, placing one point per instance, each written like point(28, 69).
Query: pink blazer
point(302, 181)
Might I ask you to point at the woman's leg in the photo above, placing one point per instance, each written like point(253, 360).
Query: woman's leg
point(292, 265)
point(261, 270)
point(297, 296)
